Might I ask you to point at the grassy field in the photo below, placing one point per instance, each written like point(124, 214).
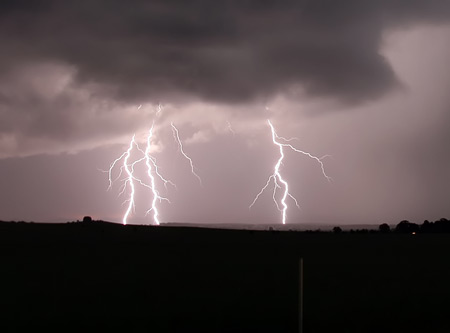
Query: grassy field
point(100, 276)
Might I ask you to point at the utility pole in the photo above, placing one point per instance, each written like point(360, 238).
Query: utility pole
point(300, 297)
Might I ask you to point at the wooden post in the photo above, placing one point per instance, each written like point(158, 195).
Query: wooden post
point(300, 297)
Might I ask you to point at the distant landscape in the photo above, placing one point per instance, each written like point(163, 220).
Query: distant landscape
point(439, 226)
point(96, 275)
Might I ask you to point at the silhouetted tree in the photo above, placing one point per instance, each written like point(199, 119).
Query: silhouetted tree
point(406, 227)
point(384, 228)
point(87, 219)
point(426, 226)
point(337, 230)
point(442, 226)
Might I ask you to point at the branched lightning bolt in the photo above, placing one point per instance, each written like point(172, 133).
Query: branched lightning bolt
point(129, 179)
point(155, 165)
point(150, 163)
point(111, 167)
point(276, 176)
point(176, 136)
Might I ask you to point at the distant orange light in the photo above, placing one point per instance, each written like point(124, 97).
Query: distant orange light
point(413, 233)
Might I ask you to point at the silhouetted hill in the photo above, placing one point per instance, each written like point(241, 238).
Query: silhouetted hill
point(101, 276)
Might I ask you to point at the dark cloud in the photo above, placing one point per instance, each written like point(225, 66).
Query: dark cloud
point(227, 51)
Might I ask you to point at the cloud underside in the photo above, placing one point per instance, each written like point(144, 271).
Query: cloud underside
point(228, 51)
point(65, 64)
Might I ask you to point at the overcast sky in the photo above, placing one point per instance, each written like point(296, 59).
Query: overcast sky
point(366, 82)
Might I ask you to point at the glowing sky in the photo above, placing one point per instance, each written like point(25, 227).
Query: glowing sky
point(364, 81)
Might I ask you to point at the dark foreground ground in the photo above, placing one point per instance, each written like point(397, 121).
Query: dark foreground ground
point(104, 277)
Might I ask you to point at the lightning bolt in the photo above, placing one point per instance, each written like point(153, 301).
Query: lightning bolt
point(176, 136)
point(276, 176)
point(159, 109)
point(152, 167)
point(129, 179)
point(153, 163)
point(111, 167)
point(230, 128)
point(150, 163)
point(152, 171)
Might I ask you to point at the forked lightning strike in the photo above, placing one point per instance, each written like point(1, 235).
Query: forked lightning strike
point(151, 164)
point(155, 165)
point(176, 136)
point(276, 176)
point(111, 167)
point(152, 172)
point(129, 180)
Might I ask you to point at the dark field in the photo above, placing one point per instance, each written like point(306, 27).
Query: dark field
point(104, 277)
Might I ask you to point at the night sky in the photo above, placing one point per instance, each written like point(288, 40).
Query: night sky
point(364, 81)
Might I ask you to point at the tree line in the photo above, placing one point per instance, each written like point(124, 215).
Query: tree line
point(405, 227)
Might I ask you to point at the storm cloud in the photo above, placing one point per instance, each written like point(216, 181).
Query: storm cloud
point(71, 72)
point(226, 51)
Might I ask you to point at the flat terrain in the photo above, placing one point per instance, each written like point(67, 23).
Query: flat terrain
point(102, 277)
